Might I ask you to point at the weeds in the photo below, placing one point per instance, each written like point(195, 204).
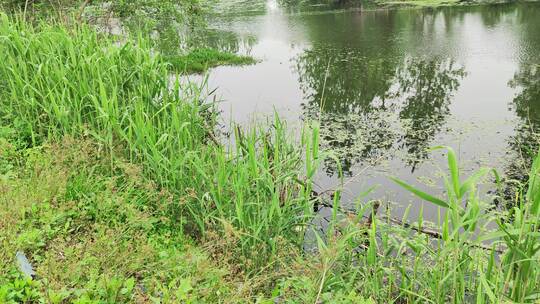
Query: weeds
point(92, 237)
point(57, 82)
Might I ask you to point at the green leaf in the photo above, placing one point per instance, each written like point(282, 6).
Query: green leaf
point(533, 193)
point(453, 167)
point(420, 193)
point(487, 289)
point(472, 181)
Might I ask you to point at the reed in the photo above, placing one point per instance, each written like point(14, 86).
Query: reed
point(57, 82)
point(475, 262)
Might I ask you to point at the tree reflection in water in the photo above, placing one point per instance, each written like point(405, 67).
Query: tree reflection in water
point(425, 86)
point(369, 107)
point(525, 142)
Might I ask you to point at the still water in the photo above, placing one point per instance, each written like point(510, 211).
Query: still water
point(389, 84)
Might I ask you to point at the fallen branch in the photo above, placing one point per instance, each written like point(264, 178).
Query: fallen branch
point(376, 204)
point(437, 234)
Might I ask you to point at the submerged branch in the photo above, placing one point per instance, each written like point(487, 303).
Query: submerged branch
point(390, 220)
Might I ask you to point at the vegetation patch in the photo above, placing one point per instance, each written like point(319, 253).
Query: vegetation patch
point(81, 84)
point(200, 60)
point(419, 3)
point(93, 235)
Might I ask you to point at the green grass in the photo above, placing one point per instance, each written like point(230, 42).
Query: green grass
point(515, 274)
point(115, 186)
point(200, 60)
point(93, 236)
point(56, 82)
point(99, 236)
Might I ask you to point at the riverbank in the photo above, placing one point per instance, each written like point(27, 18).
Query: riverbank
point(108, 169)
point(378, 5)
point(94, 234)
point(439, 3)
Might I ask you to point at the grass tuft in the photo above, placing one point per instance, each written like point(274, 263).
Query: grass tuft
point(200, 60)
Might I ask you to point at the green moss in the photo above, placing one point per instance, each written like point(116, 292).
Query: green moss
point(200, 60)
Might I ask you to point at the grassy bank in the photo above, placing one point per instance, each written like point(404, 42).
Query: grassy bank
point(80, 84)
point(93, 236)
point(385, 4)
point(174, 26)
point(117, 190)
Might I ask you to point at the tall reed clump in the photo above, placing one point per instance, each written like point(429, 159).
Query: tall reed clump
point(480, 255)
point(472, 254)
point(56, 82)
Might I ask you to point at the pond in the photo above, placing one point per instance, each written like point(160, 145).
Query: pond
point(387, 85)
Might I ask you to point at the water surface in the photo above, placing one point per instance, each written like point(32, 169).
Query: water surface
point(387, 85)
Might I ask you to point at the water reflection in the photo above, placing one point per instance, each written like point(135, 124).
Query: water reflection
point(369, 107)
point(169, 41)
point(343, 81)
point(525, 142)
point(239, 7)
point(374, 98)
point(389, 84)
point(426, 88)
point(227, 41)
